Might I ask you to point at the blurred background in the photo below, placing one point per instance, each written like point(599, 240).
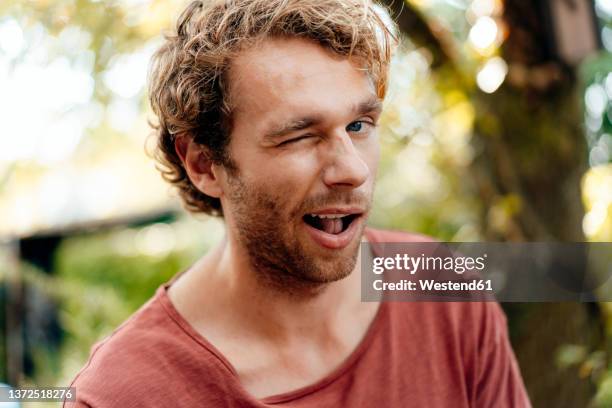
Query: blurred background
point(498, 127)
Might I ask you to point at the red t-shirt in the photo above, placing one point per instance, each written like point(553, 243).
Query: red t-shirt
point(414, 354)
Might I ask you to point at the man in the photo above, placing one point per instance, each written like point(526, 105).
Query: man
point(267, 116)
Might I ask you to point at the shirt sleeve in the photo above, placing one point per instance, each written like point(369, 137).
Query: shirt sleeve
point(499, 380)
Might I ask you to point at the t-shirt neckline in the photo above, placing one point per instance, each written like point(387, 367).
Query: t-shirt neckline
point(353, 357)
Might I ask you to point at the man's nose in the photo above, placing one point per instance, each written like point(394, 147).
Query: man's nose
point(346, 167)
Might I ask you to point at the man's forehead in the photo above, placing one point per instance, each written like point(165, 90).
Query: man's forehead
point(283, 57)
point(278, 69)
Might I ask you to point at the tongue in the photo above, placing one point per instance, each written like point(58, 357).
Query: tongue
point(331, 225)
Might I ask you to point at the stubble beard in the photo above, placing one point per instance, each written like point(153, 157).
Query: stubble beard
point(277, 256)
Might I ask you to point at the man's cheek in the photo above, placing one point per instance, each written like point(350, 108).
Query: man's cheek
point(372, 160)
point(370, 151)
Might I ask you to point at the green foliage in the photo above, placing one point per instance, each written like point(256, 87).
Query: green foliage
point(93, 262)
point(108, 27)
point(603, 399)
point(99, 280)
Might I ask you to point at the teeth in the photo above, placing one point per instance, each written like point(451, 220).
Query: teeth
point(331, 216)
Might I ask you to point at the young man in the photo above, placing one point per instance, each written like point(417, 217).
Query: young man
point(267, 116)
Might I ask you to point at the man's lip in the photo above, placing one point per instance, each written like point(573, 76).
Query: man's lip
point(335, 241)
point(338, 210)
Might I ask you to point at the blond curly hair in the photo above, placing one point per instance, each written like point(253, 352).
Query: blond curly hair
point(187, 80)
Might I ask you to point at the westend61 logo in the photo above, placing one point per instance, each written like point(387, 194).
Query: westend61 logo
point(412, 264)
point(475, 271)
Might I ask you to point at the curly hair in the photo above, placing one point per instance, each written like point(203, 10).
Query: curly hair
point(188, 84)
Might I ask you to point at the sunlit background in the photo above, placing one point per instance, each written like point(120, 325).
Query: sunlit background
point(89, 229)
point(74, 113)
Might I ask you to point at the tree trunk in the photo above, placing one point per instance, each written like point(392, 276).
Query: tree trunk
point(531, 154)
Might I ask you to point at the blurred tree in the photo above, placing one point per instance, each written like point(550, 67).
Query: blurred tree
point(535, 154)
point(91, 35)
point(530, 157)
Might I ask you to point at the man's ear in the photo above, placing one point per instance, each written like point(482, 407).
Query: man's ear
point(199, 167)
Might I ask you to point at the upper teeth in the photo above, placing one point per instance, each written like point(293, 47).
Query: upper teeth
point(329, 215)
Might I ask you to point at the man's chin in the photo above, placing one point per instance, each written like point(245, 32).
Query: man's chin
point(335, 266)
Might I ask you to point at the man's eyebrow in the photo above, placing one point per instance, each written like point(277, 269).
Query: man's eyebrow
point(373, 104)
point(291, 126)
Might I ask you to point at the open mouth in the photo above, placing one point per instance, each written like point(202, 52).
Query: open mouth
point(330, 223)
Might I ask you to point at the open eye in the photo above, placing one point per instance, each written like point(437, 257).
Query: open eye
point(355, 126)
point(359, 126)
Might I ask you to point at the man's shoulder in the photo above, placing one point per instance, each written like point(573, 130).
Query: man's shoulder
point(134, 341)
point(140, 359)
point(457, 319)
point(467, 329)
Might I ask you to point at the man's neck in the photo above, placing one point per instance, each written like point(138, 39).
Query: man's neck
point(297, 312)
point(226, 282)
point(276, 343)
